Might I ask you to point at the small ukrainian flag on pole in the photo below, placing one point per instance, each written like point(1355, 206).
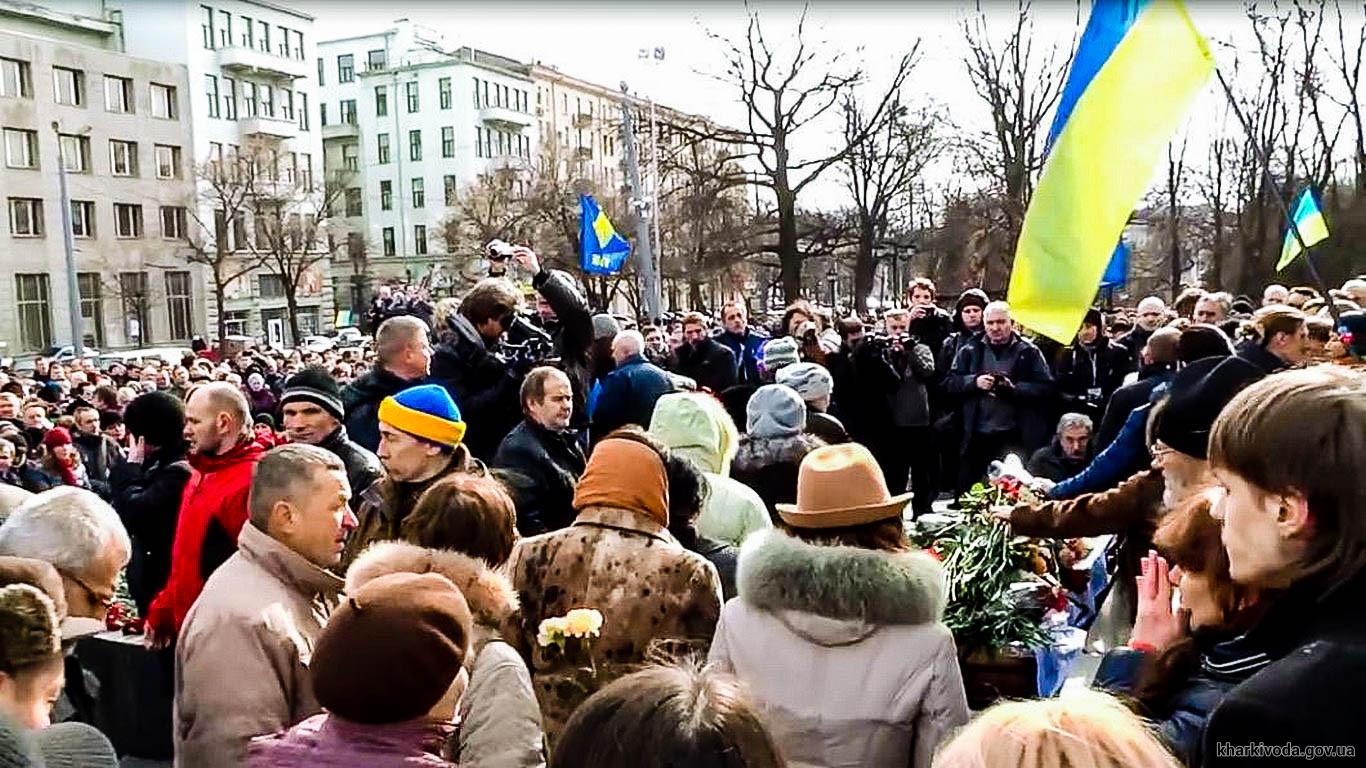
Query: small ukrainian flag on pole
point(602, 250)
point(1309, 221)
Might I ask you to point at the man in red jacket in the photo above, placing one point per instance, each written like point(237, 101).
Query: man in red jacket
point(214, 505)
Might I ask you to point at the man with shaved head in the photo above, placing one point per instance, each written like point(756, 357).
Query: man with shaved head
point(1151, 315)
point(628, 394)
point(403, 358)
point(213, 507)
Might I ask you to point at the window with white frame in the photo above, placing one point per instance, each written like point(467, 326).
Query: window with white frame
point(127, 220)
point(420, 240)
point(448, 141)
point(35, 320)
point(172, 222)
point(26, 217)
point(346, 68)
point(443, 91)
point(418, 188)
point(123, 158)
point(75, 152)
point(68, 86)
point(16, 80)
point(180, 304)
point(21, 148)
point(168, 161)
point(83, 218)
point(118, 94)
point(164, 102)
point(386, 195)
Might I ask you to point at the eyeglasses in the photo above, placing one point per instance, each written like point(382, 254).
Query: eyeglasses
point(96, 596)
point(1158, 450)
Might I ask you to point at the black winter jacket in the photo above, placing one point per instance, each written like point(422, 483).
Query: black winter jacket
point(1080, 370)
point(541, 468)
point(361, 399)
point(483, 386)
point(1025, 367)
point(147, 497)
point(362, 465)
point(572, 334)
point(711, 364)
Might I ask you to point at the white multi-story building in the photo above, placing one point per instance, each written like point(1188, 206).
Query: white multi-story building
point(413, 122)
point(122, 126)
point(253, 91)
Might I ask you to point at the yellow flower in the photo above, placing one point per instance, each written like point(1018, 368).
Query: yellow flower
point(551, 631)
point(583, 622)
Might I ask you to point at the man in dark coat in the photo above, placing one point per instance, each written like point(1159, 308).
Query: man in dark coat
point(99, 453)
point(1004, 382)
point(745, 343)
point(566, 317)
point(703, 359)
point(929, 323)
point(311, 407)
point(540, 459)
point(403, 358)
point(1067, 454)
point(146, 489)
point(628, 394)
point(1091, 369)
point(911, 450)
point(1152, 313)
point(1157, 366)
point(481, 383)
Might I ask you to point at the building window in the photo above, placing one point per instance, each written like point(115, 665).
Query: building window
point(410, 89)
point(415, 145)
point(448, 141)
point(386, 195)
point(127, 220)
point(284, 42)
point(263, 39)
point(388, 237)
point(383, 148)
point(248, 33)
point(235, 322)
point(206, 26)
point(224, 29)
point(21, 148)
point(476, 93)
point(118, 94)
point(270, 286)
point(350, 160)
point(303, 111)
point(31, 299)
point(353, 201)
point(230, 98)
point(381, 101)
point(123, 158)
point(83, 218)
point(164, 102)
point(172, 222)
point(136, 306)
point(68, 86)
point(289, 168)
point(267, 100)
point(478, 141)
point(375, 60)
point(91, 290)
point(322, 114)
point(346, 68)
point(287, 104)
point(348, 111)
point(25, 217)
point(168, 162)
point(306, 170)
point(420, 240)
point(180, 304)
point(419, 193)
point(443, 89)
point(298, 46)
point(449, 183)
point(211, 88)
point(321, 80)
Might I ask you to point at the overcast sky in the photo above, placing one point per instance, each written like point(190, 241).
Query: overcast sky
point(599, 41)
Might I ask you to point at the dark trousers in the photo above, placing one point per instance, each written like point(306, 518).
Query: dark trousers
point(982, 449)
point(910, 454)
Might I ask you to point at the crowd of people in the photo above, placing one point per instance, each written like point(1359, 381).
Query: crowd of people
point(501, 537)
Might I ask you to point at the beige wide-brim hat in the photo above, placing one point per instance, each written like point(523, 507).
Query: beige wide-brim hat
point(839, 486)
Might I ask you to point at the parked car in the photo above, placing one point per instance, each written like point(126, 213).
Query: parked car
point(318, 343)
point(168, 355)
point(62, 354)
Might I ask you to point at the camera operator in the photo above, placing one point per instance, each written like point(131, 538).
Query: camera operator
point(466, 362)
point(928, 323)
point(1091, 369)
point(908, 447)
point(565, 316)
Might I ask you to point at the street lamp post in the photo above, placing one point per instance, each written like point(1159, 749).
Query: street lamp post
point(73, 304)
point(831, 278)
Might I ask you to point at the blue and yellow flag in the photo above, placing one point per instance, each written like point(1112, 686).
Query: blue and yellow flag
point(1138, 65)
point(602, 250)
point(1309, 221)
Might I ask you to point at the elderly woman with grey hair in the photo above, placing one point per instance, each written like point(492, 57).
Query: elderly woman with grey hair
point(815, 385)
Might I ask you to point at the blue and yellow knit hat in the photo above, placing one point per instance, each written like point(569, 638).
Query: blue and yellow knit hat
point(425, 411)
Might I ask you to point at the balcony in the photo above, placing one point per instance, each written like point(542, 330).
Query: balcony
point(340, 131)
point(583, 120)
point(502, 117)
point(585, 153)
point(269, 127)
point(249, 61)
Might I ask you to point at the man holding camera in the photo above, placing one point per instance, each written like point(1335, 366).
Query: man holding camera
point(911, 448)
point(466, 363)
point(1004, 382)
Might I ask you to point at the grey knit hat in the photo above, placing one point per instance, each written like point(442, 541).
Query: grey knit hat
point(605, 327)
point(74, 745)
point(779, 352)
point(811, 380)
point(775, 411)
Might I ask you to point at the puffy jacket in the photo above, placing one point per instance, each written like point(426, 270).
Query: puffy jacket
point(628, 395)
point(748, 349)
point(362, 465)
point(770, 466)
point(857, 670)
point(147, 497)
point(212, 512)
point(362, 398)
point(328, 741)
point(541, 468)
point(711, 364)
point(485, 389)
point(1126, 399)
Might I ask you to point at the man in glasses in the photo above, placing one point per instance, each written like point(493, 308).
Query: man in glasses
point(482, 384)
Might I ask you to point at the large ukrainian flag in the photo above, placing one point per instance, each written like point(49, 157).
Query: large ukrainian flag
point(1139, 64)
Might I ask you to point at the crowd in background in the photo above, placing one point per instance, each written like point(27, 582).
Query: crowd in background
point(474, 539)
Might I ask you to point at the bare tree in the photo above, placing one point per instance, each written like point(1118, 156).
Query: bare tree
point(1176, 171)
point(879, 172)
point(495, 206)
point(785, 95)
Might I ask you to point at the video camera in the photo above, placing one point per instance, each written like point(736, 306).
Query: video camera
point(525, 346)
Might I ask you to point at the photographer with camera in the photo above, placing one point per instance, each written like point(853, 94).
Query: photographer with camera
point(470, 363)
point(1004, 382)
point(928, 323)
point(1091, 369)
point(910, 448)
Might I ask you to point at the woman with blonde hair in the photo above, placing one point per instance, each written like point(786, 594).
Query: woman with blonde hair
point(31, 671)
point(1085, 729)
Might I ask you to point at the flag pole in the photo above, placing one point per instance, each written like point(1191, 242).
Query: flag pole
point(1285, 209)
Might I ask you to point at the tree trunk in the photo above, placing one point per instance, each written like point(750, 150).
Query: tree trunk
point(788, 256)
point(220, 294)
point(292, 312)
point(865, 268)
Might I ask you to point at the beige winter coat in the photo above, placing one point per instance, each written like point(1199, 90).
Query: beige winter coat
point(242, 657)
point(500, 721)
point(843, 651)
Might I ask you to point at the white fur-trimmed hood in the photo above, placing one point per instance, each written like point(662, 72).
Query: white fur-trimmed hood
point(489, 594)
point(780, 573)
